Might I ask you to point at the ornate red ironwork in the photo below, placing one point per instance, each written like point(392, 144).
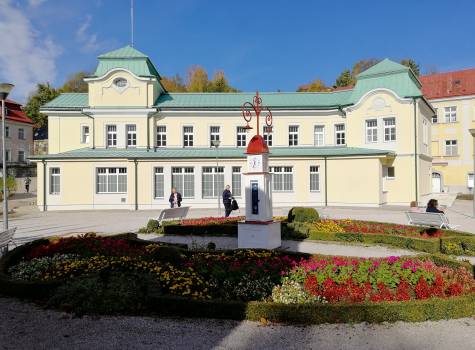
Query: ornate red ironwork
point(257, 107)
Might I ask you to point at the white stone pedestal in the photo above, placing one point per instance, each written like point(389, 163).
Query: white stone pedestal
point(262, 236)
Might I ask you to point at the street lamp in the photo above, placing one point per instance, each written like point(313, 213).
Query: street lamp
point(216, 145)
point(472, 132)
point(5, 89)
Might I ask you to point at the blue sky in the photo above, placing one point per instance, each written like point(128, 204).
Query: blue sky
point(266, 45)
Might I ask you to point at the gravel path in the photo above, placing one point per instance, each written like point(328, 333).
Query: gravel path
point(25, 326)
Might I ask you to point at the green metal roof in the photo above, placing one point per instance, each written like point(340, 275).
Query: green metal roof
point(126, 58)
point(223, 153)
point(299, 100)
point(68, 101)
point(386, 66)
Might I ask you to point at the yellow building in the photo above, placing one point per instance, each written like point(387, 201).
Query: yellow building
point(452, 94)
point(128, 141)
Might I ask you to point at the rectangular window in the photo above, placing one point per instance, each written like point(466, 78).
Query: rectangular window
point(389, 173)
point(84, 134)
point(21, 156)
point(131, 135)
point(213, 135)
point(282, 178)
point(212, 181)
point(314, 178)
point(372, 130)
point(21, 134)
point(240, 137)
point(340, 134)
point(435, 117)
point(183, 179)
point(293, 135)
point(267, 135)
point(8, 155)
point(450, 114)
point(187, 136)
point(451, 148)
point(236, 181)
point(159, 183)
point(470, 179)
point(161, 136)
point(389, 129)
point(319, 135)
point(7, 131)
point(111, 180)
point(111, 135)
point(54, 181)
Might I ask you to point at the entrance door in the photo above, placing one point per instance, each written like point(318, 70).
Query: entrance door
point(436, 183)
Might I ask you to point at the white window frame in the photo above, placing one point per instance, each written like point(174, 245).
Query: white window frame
point(371, 130)
point(111, 135)
point(450, 114)
point(282, 178)
point(293, 135)
point(268, 136)
point(314, 178)
point(8, 155)
point(23, 153)
point(188, 136)
point(54, 181)
point(340, 132)
point(387, 171)
point(106, 174)
point(470, 180)
point(21, 134)
point(85, 135)
point(214, 134)
point(391, 136)
point(215, 176)
point(236, 181)
point(241, 136)
point(319, 135)
point(158, 188)
point(131, 135)
point(451, 148)
point(161, 136)
point(187, 175)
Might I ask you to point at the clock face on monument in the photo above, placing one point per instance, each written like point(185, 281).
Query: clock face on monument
point(255, 163)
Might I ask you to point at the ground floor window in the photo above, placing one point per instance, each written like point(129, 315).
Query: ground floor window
point(282, 178)
point(212, 181)
point(236, 181)
point(389, 172)
point(54, 180)
point(183, 179)
point(470, 180)
point(111, 180)
point(159, 183)
point(314, 178)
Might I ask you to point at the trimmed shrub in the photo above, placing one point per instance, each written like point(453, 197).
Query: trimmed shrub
point(458, 245)
point(303, 214)
point(201, 230)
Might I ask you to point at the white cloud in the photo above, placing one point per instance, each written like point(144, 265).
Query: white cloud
point(26, 56)
point(89, 41)
point(35, 3)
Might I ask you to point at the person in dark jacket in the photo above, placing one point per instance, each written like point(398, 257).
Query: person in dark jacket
point(432, 206)
point(175, 198)
point(227, 197)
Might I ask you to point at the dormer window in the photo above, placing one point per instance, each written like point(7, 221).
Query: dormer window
point(120, 83)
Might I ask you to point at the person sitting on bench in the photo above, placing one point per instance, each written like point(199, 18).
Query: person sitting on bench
point(432, 207)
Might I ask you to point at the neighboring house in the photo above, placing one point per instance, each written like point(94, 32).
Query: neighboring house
point(127, 141)
point(19, 142)
point(452, 94)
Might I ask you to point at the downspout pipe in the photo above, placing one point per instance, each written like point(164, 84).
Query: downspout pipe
point(415, 151)
point(136, 185)
point(326, 182)
point(44, 184)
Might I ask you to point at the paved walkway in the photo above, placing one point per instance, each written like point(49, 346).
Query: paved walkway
point(26, 326)
point(32, 223)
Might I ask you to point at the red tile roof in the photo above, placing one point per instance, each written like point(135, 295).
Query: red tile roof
point(15, 113)
point(448, 84)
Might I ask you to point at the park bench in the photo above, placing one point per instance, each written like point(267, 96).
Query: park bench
point(6, 238)
point(173, 213)
point(429, 219)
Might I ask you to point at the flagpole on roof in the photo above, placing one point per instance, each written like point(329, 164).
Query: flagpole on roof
point(132, 23)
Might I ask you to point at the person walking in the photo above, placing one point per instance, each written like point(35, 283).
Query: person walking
point(27, 184)
point(227, 197)
point(175, 198)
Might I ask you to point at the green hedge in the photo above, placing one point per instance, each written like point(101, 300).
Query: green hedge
point(458, 245)
point(303, 214)
point(201, 230)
